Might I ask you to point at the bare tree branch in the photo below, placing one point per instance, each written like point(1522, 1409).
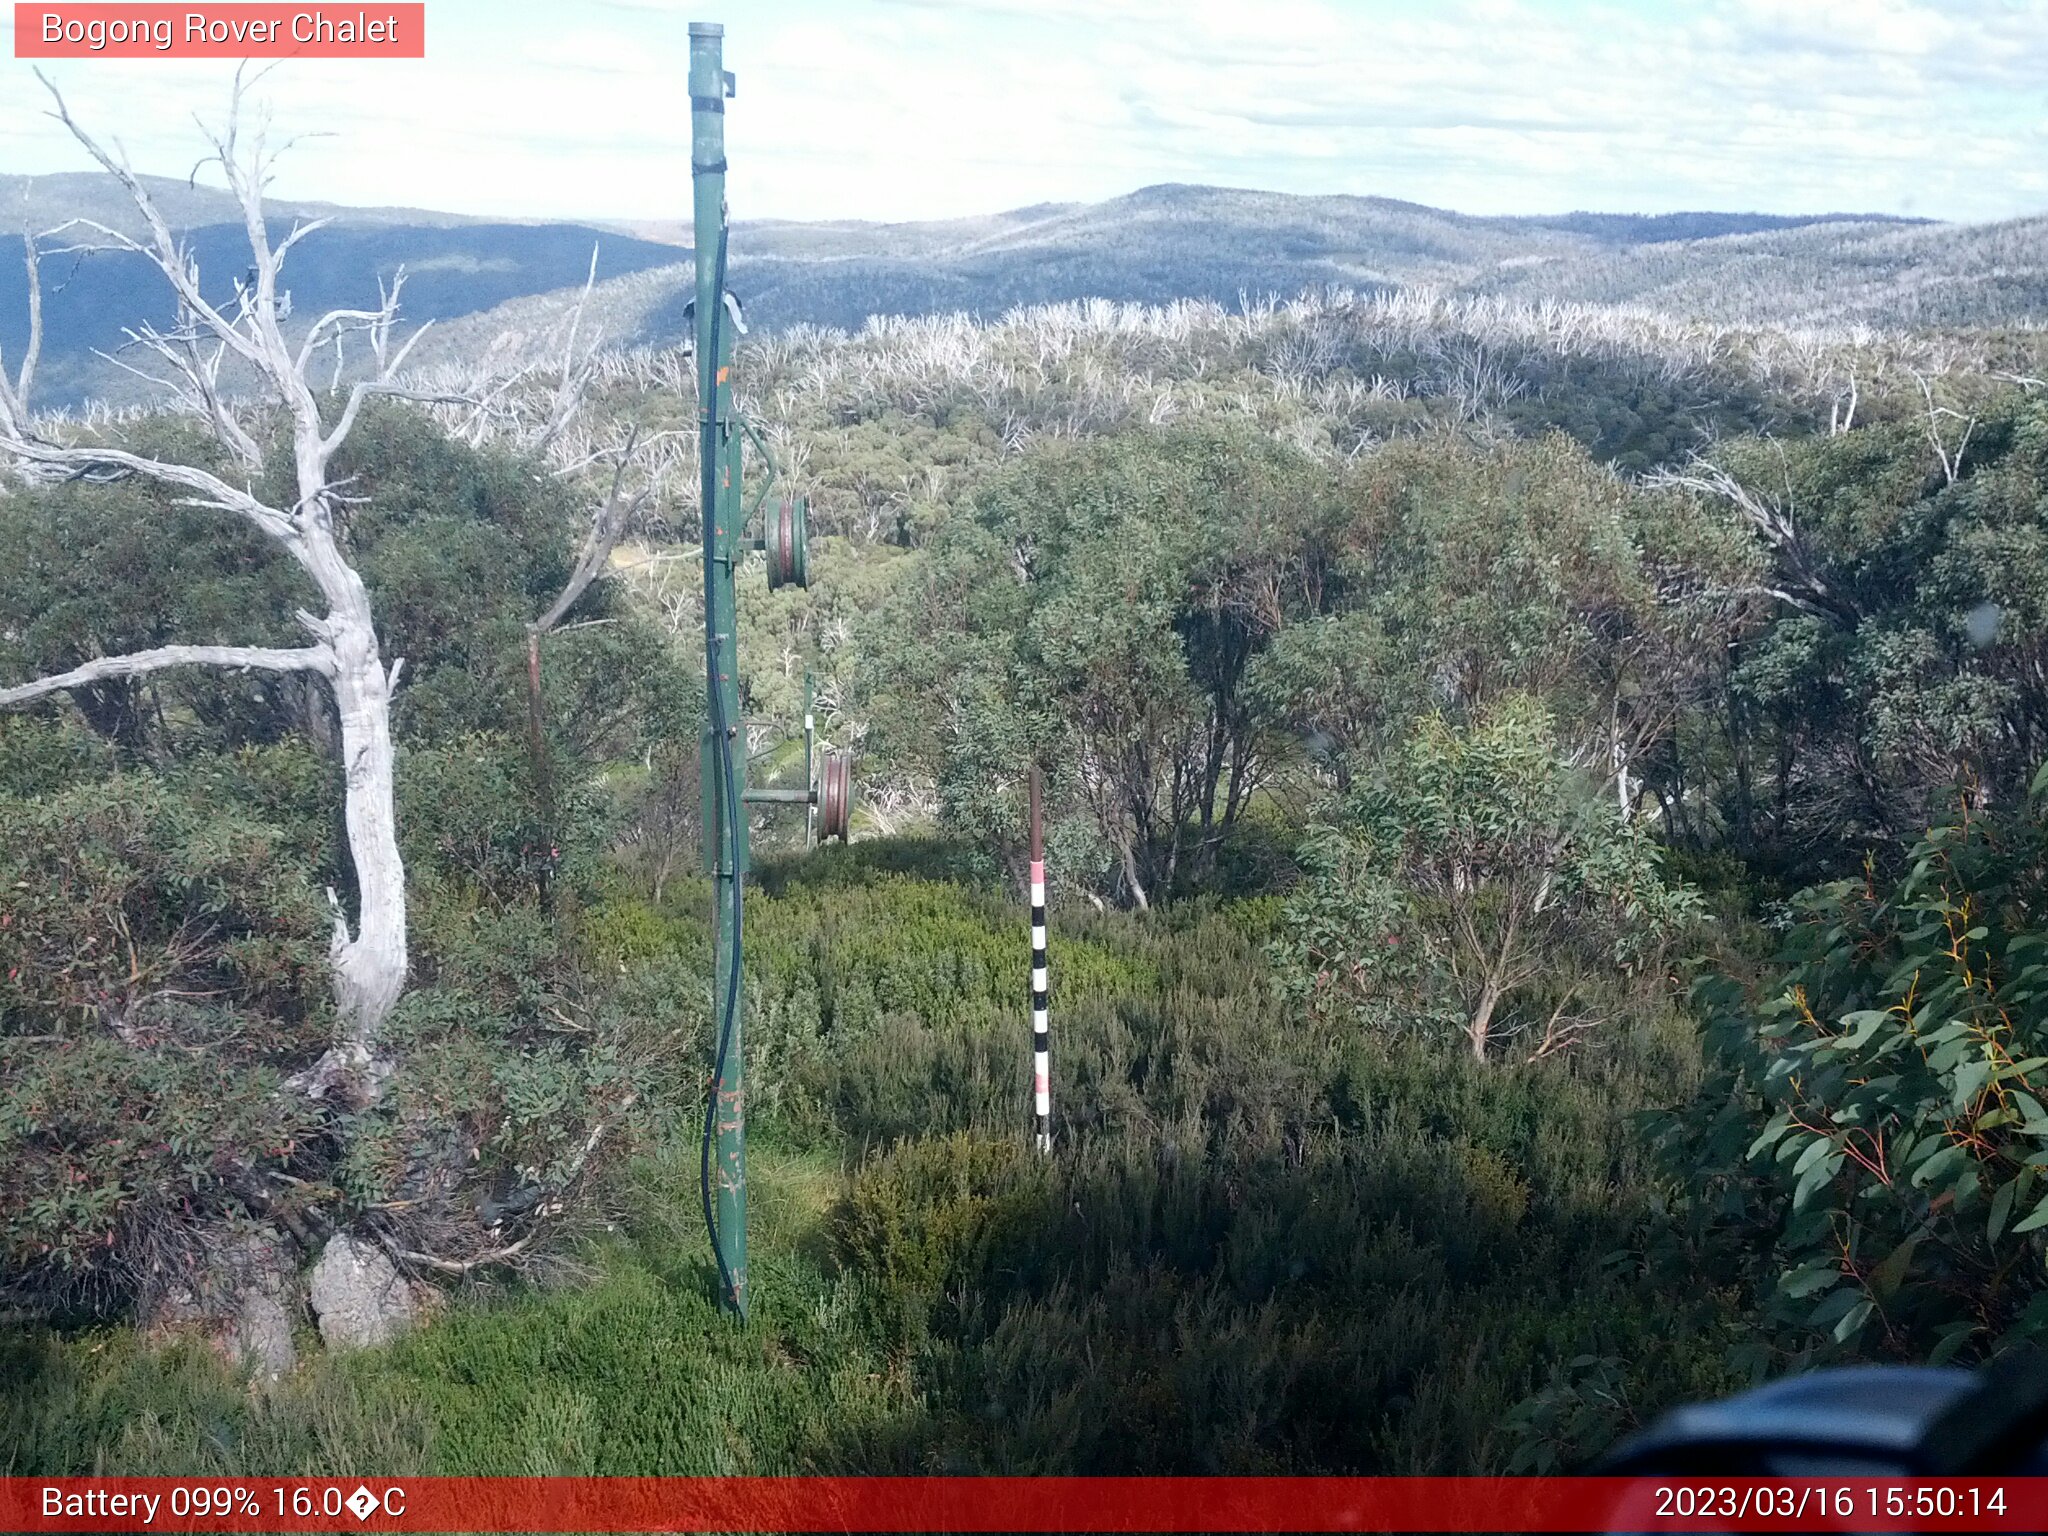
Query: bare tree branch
point(368, 387)
point(310, 658)
point(14, 398)
point(435, 1262)
point(1842, 408)
point(1951, 459)
point(605, 530)
point(575, 375)
point(25, 379)
point(1808, 589)
point(300, 229)
point(165, 249)
point(82, 461)
point(340, 320)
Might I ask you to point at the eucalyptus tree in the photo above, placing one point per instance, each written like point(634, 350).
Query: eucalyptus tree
point(1099, 610)
point(1451, 575)
point(1899, 640)
point(1476, 881)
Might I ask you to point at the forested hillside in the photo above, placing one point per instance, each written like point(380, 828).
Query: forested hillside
point(1544, 835)
point(1831, 272)
point(508, 284)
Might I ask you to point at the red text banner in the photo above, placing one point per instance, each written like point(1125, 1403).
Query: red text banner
point(240, 31)
point(1121, 1504)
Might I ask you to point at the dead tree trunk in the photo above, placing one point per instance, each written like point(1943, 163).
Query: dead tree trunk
point(370, 963)
point(606, 527)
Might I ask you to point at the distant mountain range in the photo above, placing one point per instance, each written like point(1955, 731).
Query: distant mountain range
point(482, 278)
point(454, 267)
point(1209, 242)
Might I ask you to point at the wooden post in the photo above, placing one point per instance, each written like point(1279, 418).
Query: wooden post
point(1041, 1042)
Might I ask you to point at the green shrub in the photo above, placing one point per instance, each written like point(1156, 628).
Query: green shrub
point(1478, 886)
point(1875, 1121)
point(161, 967)
point(1261, 1245)
point(935, 1213)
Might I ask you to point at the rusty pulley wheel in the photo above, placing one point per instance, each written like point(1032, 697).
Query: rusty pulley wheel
point(786, 541)
point(835, 796)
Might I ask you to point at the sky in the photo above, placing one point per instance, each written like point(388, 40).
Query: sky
point(907, 109)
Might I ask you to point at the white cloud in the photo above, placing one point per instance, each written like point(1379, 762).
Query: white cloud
point(916, 108)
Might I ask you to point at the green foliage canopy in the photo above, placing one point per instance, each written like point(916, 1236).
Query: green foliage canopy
point(1479, 884)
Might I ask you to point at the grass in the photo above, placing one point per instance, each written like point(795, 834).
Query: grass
point(1261, 1248)
point(634, 1372)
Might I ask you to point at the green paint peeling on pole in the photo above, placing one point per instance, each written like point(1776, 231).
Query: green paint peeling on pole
point(725, 821)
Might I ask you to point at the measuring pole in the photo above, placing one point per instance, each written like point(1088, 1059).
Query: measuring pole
point(725, 822)
point(1041, 1041)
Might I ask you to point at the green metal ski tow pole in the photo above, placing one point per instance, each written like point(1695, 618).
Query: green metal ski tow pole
point(724, 1154)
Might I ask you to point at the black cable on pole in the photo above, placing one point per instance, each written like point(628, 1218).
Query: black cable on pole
point(711, 453)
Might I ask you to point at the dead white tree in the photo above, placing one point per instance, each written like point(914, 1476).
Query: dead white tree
point(14, 396)
point(369, 956)
point(1950, 456)
point(1803, 584)
point(576, 371)
point(1842, 407)
point(607, 525)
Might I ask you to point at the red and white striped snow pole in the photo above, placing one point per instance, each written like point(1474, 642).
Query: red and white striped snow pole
point(1041, 1042)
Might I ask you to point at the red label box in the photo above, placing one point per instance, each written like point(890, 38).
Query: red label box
point(388, 1506)
point(241, 31)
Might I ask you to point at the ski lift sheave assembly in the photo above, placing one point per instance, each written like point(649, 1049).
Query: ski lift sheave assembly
point(716, 319)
